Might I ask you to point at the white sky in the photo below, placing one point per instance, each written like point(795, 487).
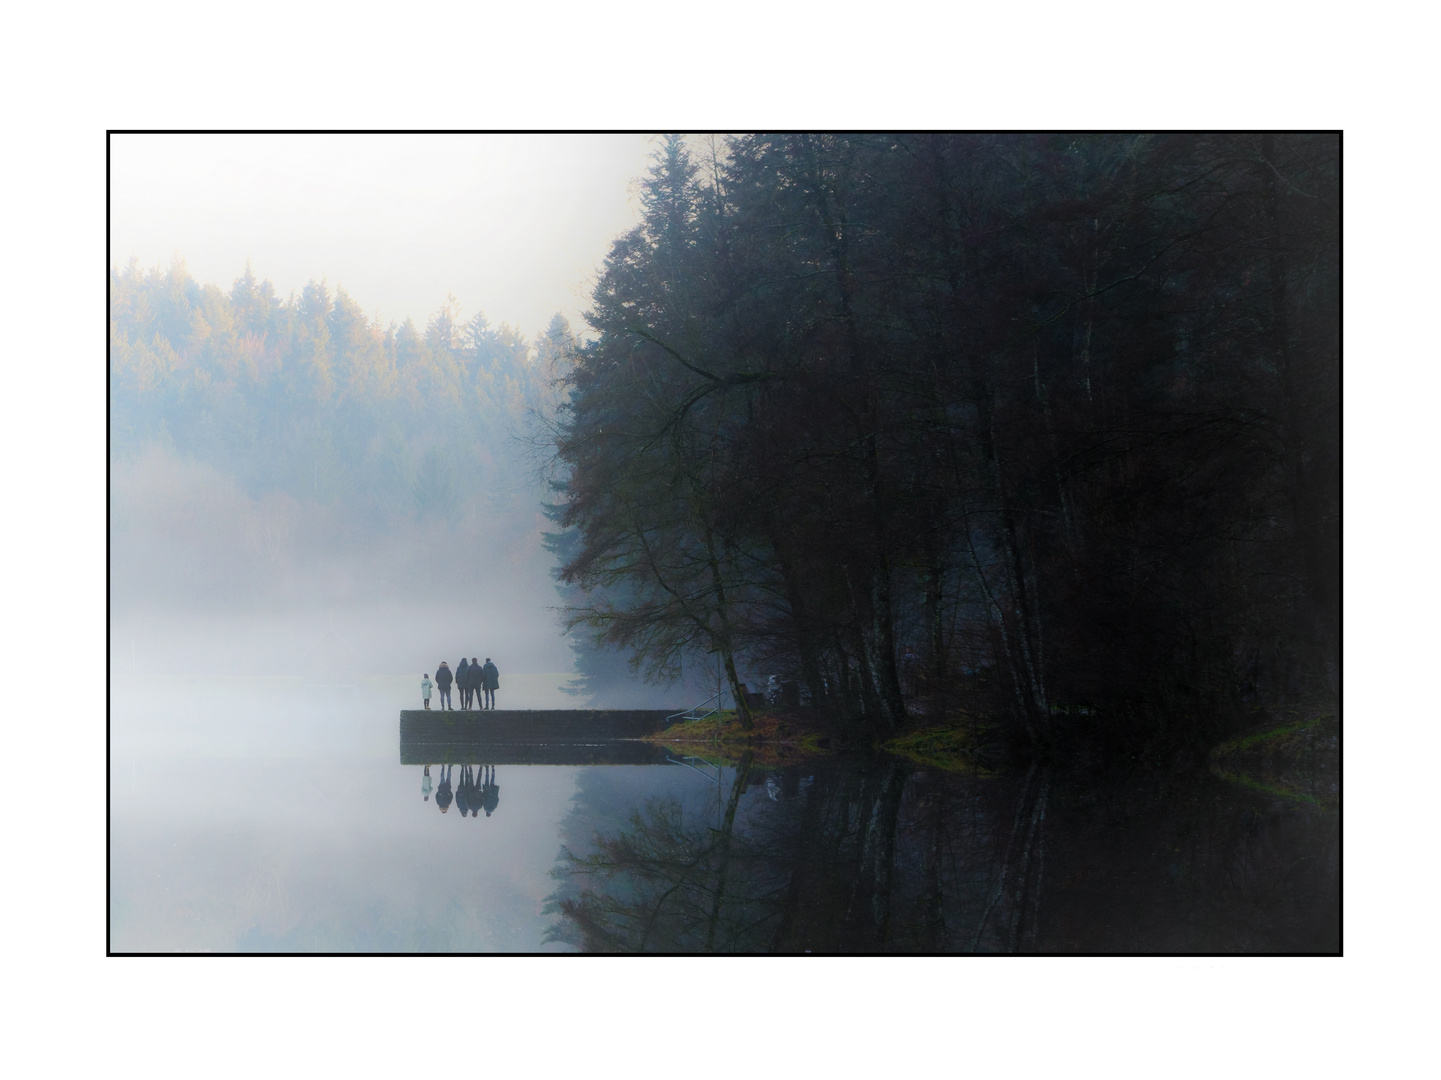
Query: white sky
point(515, 226)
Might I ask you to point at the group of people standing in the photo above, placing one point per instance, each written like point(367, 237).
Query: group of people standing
point(467, 678)
point(469, 795)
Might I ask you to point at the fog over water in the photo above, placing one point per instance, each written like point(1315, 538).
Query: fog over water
point(207, 580)
point(332, 370)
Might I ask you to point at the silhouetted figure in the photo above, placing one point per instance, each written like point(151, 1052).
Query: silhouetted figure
point(492, 684)
point(425, 785)
point(443, 679)
point(476, 794)
point(443, 794)
point(425, 687)
point(462, 682)
point(477, 680)
point(490, 793)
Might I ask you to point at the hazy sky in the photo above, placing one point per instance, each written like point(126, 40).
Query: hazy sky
point(514, 225)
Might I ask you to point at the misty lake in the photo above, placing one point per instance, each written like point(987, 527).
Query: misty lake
point(264, 815)
point(1001, 470)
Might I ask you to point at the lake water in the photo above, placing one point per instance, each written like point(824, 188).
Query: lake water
point(272, 816)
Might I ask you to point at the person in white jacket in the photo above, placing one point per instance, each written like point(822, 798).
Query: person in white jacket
point(425, 687)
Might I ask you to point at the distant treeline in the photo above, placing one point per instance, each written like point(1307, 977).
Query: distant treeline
point(1059, 413)
point(309, 396)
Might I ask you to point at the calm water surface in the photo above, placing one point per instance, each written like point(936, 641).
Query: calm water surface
point(258, 815)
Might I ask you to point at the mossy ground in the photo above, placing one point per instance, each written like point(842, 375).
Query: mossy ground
point(1295, 756)
point(950, 747)
point(781, 737)
point(776, 739)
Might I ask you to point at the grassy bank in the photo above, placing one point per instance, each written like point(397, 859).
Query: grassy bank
point(1293, 755)
point(950, 747)
point(776, 739)
point(781, 737)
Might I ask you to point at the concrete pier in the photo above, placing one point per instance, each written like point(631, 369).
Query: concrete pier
point(530, 736)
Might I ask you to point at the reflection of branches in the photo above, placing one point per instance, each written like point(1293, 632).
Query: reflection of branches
point(879, 856)
point(807, 872)
point(654, 869)
point(724, 844)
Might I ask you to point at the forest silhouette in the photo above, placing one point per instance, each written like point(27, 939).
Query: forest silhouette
point(1059, 412)
point(1054, 417)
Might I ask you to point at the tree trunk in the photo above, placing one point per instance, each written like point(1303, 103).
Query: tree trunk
point(884, 852)
point(743, 709)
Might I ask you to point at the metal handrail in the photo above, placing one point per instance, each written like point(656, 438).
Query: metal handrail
point(687, 763)
point(695, 712)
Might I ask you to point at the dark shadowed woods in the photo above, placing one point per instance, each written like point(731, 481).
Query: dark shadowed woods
point(1058, 415)
point(869, 855)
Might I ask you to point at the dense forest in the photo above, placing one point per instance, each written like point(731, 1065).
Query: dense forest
point(310, 396)
point(1055, 416)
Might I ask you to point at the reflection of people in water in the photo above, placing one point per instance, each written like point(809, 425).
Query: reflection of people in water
point(443, 796)
point(489, 792)
point(425, 784)
point(465, 791)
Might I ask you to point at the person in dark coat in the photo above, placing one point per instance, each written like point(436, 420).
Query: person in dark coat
point(443, 795)
point(477, 681)
point(492, 682)
point(462, 682)
point(443, 679)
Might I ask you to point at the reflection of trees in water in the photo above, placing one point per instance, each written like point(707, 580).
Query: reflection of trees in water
point(877, 855)
point(816, 870)
point(661, 885)
point(1159, 862)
